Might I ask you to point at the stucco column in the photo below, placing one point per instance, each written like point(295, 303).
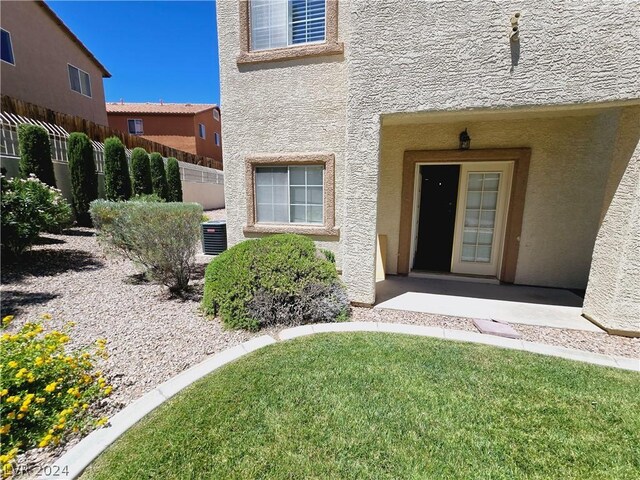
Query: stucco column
point(361, 207)
point(613, 294)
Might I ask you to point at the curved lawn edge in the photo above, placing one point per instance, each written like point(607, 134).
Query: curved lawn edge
point(77, 459)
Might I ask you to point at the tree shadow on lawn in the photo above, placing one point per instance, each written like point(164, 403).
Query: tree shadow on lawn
point(14, 301)
point(46, 263)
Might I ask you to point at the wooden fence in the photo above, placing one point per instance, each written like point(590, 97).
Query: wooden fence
point(99, 133)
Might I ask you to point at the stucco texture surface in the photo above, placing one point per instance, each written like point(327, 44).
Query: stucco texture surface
point(613, 294)
point(428, 57)
point(570, 160)
point(295, 106)
point(457, 56)
point(40, 74)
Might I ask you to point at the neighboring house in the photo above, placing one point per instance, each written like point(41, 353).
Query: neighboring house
point(44, 63)
point(344, 122)
point(189, 127)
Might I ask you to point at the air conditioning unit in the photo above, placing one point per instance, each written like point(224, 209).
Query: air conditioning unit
point(214, 237)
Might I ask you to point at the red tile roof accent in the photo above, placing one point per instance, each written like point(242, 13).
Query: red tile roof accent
point(159, 108)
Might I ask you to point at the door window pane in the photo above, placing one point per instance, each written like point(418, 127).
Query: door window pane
point(480, 216)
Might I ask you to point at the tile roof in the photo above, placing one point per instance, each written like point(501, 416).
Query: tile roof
point(174, 108)
point(179, 142)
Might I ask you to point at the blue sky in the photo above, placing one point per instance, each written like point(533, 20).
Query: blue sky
point(153, 49)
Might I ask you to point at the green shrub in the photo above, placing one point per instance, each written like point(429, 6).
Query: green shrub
point(146, 198)
point(117, 181)
point(279, 279)
point(174, 184)
point(160, 237)
point(158, 176)
point(84, 178)
point(141, 172)
point(29, 207)
point(35, 153)
point(45, 391)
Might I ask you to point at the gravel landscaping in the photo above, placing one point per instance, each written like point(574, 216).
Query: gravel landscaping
point(152, 336)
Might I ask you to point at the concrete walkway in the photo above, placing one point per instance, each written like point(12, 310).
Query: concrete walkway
point(545, 307)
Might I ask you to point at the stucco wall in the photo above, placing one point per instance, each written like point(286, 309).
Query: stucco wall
point(412, 56)
point(40, 75)
point(570, 160)
point(279, 107)
point(613, 294)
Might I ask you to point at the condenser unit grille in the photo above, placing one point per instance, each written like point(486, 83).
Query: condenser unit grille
point(214, 237)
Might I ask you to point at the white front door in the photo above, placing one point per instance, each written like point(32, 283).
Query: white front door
point(483, 200)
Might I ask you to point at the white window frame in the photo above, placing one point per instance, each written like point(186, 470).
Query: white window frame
point(216, 138)
point(80, 71)
point(13, 54)
point(216, 114)
point(289, 204)
point(202, 130)
point(289, 24)
point(135, 122)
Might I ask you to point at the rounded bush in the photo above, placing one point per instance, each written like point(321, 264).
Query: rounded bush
point(35, 153)
point(84, 178)
point(117, 182)
point(174, 184)
point(29, 207)
point(158, 175)
point(281, 279)
point(141, 172)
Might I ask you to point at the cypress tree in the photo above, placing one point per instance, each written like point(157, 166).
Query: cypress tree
point(173, 181)
point(141, 172)
point(35, 153)
point(84, 179)
point(117, 182)
point(158, 176)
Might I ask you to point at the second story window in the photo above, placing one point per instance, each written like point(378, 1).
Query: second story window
point(216, 114)
point(79, 80)
point(135, 126)
point(7, 47)
point(285, 23)
point(216, 138)
point(201, 130)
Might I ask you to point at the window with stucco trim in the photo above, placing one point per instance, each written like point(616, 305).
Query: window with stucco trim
point(216, 114)
point(79, 80)
point(291, 193)
point(201, 130)
point(216, 138)
point(273, 30)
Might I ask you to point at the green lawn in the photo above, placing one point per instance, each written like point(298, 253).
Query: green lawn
point(371, 405)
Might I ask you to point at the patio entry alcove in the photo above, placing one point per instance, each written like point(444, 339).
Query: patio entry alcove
point(446, 195)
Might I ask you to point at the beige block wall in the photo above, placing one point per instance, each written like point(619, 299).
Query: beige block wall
point(40, 74)
point(613, 294)
point(570, 161)
point(295, 106)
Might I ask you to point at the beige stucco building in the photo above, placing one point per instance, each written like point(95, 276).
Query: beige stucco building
point(44, 63)
point(548, 193)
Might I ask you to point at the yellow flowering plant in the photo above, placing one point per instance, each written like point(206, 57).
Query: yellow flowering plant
point(45, 390)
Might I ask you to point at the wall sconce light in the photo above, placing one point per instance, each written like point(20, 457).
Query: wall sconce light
point(465, 140)
point(514, 36)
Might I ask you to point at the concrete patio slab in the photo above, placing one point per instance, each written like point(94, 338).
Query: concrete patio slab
point(504, 311)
